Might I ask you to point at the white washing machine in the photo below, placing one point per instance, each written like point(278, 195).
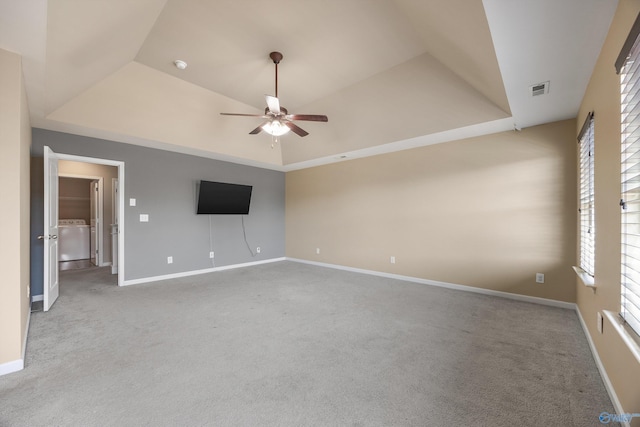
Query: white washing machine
point(74, 239)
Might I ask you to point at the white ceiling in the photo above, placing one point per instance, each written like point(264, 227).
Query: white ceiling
point(389, 74)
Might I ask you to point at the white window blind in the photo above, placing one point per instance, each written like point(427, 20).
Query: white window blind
point(587, 209)
point(630, 178)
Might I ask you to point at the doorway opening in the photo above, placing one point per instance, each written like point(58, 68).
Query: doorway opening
point(87, 215)
point(95, 211)
point(84, 211)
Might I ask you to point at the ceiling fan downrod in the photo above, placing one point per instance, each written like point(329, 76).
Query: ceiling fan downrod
point(276, 57)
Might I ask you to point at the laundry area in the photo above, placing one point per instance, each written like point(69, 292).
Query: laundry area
point(86, 218)
point(77, 223)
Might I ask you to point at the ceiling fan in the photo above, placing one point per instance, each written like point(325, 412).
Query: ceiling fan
point(278, 121)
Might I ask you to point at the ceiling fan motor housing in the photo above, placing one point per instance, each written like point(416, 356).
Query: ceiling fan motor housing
point(282, 110)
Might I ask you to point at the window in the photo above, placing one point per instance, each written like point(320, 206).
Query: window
point(628, 67)
point(587, 223)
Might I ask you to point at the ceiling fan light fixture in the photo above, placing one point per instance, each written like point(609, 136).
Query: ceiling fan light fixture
point(275, 128)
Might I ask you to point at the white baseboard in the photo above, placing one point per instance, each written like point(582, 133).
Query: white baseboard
point(518, 297)
point(26, 334)
point(36, 298)
point(603, 373)
point(11, 367)
point(196, 272)
point(17, 365)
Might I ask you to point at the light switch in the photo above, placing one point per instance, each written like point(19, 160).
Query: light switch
point(144, 218)
point(132, 202)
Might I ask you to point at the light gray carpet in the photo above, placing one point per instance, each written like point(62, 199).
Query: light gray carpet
point(288, 344)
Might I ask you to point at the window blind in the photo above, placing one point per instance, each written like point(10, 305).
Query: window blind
point(628, 45)
point(630, 179)
point(587, 209)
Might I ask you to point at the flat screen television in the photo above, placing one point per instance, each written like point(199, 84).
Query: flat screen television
point(221, 198)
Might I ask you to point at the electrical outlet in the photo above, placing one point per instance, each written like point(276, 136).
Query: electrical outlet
point(169, 260)
point(539, 277)
point(144, 217)
point(392, 260)
point(317, 251)
point(211, 254)
point(258, 250)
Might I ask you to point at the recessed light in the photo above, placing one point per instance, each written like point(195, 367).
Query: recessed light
point(180, 64)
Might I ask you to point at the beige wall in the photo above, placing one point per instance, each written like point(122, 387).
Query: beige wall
point(603, 98)
point(488, 212)
point(15, 144)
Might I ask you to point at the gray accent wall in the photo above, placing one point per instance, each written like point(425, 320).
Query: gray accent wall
point(164, 186)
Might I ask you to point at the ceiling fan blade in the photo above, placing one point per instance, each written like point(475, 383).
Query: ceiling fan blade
point(258, 129)
point(245, 115)
point(273, 103)
point(296, 129)
point(308, 117)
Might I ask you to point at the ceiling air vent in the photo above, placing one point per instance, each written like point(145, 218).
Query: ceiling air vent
point(539, 89)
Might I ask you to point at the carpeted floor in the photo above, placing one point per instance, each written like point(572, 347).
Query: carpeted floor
point(289, 344)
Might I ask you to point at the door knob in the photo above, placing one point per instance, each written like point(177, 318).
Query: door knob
point(50, 236)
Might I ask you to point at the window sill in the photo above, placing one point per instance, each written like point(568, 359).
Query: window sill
point(630, 338)
point(585, 278)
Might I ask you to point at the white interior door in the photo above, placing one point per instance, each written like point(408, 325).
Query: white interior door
point(93, 191)
point(50, 234)
point(114, 227)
